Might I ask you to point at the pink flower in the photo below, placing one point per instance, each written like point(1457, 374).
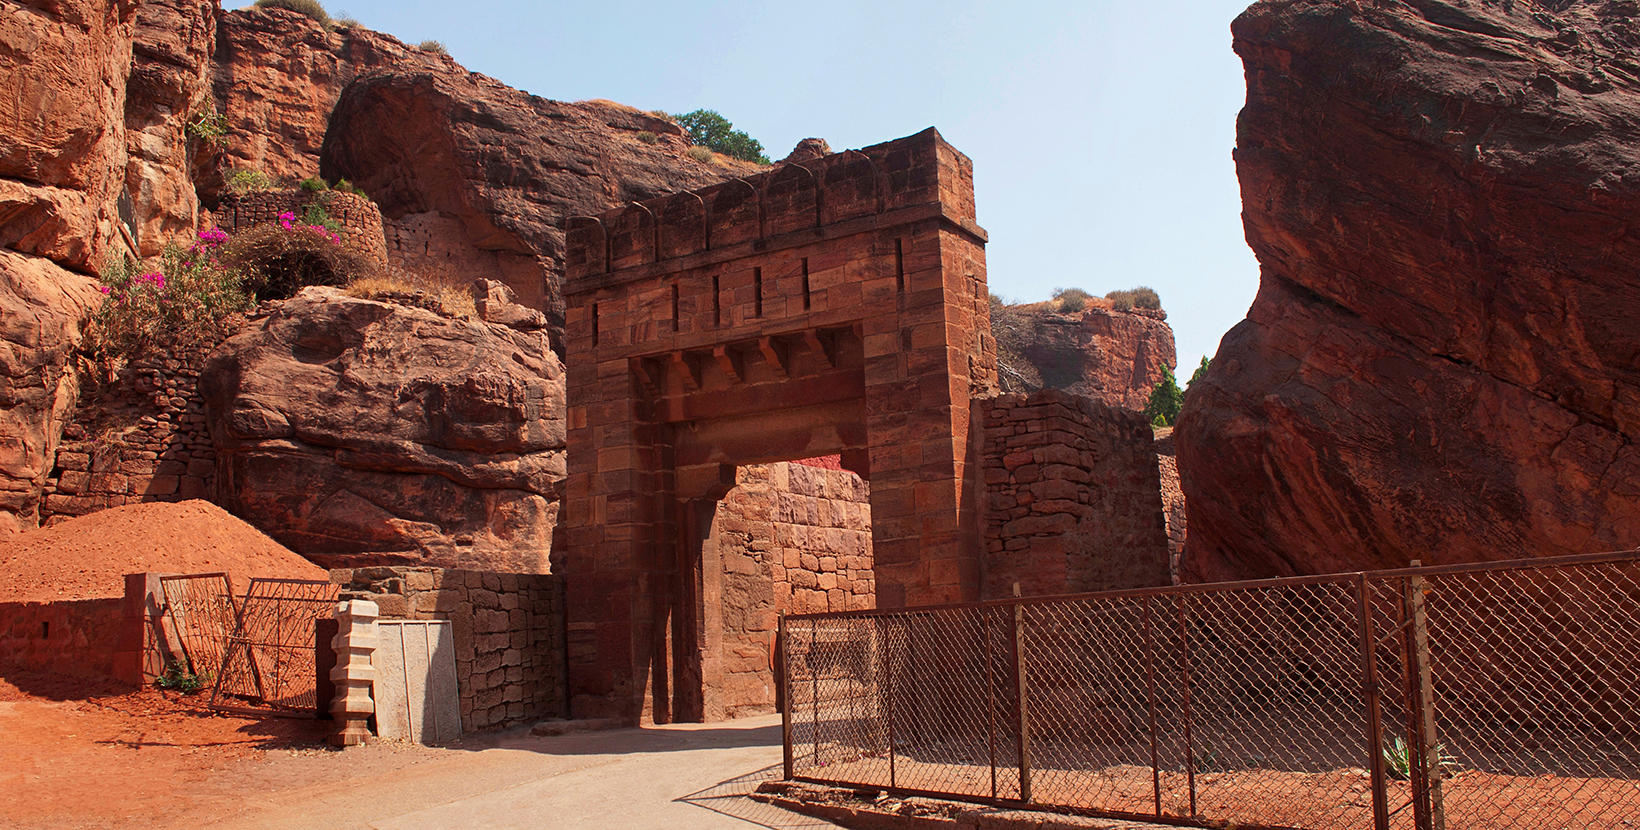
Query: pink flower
point(104, 289)
point(213, 237)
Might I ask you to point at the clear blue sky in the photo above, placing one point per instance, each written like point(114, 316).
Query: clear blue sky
point(1100, 131)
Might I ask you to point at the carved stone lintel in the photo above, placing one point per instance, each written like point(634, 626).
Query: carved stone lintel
point(353, 675)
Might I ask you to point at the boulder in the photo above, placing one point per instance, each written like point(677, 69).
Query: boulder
point(475, 178)
point(1114, 357)
point(1443, 361)
point(41, 308)
point(358, 432)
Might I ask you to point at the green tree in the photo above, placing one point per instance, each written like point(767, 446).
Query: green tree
point(1165, 400)
point(710, 130)
point(1200, 371)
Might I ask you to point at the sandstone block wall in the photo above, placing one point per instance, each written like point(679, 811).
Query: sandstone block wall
point(438, 247)
point(149, 443)
point(792, 538)
point(78, 638)
point(360, 220)
point(509, 634)
point(1072, 497)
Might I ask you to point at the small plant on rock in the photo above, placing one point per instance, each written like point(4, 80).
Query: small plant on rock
point(313, 184)
point(183, 302)
point(1071, 300)
point(345, 186)
point(701, 154)
point(281, 258)
point(311, 8)
point(1137, 297)
point(181, 677)
point(433, 46)
point(208, 125)
point(241, 182)
point(648, 137)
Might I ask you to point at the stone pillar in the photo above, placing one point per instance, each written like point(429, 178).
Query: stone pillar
point(355, 642)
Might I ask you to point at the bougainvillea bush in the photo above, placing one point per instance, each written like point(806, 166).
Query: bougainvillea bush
point(182, 302)
point(281, 258)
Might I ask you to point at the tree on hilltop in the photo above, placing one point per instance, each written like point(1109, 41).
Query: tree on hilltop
point(714, 132)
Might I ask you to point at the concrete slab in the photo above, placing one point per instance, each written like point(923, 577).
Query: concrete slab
point(613, 779)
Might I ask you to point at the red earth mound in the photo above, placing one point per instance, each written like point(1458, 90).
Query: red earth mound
point(89, 556)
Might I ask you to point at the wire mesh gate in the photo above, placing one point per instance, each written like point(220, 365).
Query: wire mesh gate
point(200, 611)
point(1431, 698)
point(269, 665)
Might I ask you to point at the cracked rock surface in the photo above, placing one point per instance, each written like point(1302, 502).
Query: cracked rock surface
point(1443, 361)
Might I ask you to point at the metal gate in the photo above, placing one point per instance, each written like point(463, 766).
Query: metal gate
point(270, 662)
point(200, 611)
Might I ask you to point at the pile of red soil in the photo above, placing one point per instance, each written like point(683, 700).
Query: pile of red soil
point(88, 557)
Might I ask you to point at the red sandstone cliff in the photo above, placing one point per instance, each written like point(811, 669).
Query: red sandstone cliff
point(1114, 357)
point(1443, 361)
point(63, 68)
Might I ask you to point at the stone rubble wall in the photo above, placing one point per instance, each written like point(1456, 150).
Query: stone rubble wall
point(509, 634)
point(361, 221)
point(793, 538)
point(1072, 497)
point(164, 454)
point(1173, 502)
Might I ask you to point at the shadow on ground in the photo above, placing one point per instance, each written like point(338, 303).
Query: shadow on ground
point(729, 798)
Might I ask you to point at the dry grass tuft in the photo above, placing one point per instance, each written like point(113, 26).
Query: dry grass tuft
point(456, 300)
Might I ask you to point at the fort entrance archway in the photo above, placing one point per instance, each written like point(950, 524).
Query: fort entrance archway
point(833, 307)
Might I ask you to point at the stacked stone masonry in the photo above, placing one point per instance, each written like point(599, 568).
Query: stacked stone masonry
point(509, 634)
point(163, 454)
point(361, 222)
point(792, 538)
point(837, 306)
point(1072, 497)
point(1173, 503)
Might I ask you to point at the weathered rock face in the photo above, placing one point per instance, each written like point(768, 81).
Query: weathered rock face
point(357, 432)
point(475, 178)
point(170, 80)
point(278, 75)
point(63, 69)
point(1114, 357)
point(1443, 361)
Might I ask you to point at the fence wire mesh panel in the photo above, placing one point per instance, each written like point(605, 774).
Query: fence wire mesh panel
point(271, 662)
point(200, 609)
point(1425, 699)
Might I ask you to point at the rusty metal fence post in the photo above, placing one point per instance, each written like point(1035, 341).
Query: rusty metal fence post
point(1425, 749)
point(1189, 737)
point(784, 652)
point(1023, 686)
point(1374, 705)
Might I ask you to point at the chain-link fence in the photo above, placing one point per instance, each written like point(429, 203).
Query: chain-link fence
point(1447, 698)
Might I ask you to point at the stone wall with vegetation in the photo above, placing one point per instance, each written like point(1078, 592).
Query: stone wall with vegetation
point(509, 634)
point(360, 220)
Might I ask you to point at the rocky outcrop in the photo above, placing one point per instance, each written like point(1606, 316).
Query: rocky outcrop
point(278, 76)
point(63, 68)
point(357, 432)
point(475, 178)
point(1114, 357)
point(170, 84)
point(1443, 361)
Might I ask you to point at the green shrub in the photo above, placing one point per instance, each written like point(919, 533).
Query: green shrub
point(648, 137)
point(701, 154)
point(313, 184)
point(181, 677)
point(1165, 400)
point(241, 182)
point(281, 258)
point(1198, 374)
point(186, 302)
point(343, 20)
point(208, 125)
point(311, 8)
point(345, 186)
point(433, 46)
point(710, 130)
point(1071, 300)
point(1138, 297)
